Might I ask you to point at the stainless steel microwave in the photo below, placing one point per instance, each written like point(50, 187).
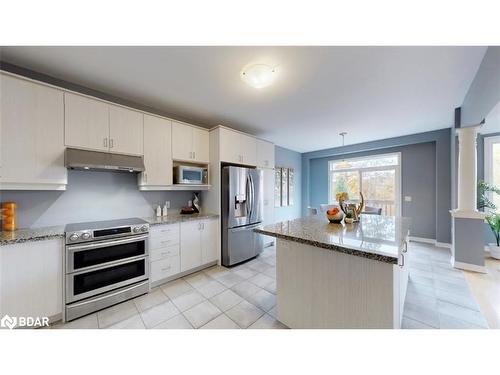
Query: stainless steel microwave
point(185, 174)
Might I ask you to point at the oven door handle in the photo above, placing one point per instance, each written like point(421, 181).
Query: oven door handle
point(75, 248)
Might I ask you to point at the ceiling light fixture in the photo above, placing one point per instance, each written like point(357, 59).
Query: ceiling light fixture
point(259, 75)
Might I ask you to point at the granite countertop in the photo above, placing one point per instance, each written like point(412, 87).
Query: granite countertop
point(177, 217)
point(31, 234)
point(47, 233)
point(374, 237)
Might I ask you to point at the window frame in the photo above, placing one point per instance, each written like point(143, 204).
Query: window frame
point(488, 159)
point(397, 167)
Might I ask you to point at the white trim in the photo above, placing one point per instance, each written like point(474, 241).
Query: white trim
point(468, 266)
point(467, 214)
point(488, 148)
point(422, 239)
point(443, 244)
point(398, 199)
point(430, 241)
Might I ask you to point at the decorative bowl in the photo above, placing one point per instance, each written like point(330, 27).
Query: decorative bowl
point(335, 218)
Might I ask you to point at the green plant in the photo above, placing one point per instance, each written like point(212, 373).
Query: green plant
point(483, 199)
point(494, 223)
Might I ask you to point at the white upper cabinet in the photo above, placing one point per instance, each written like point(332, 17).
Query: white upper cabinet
point(265, 154)
point(86, 123)
point(182, 141)
point(125, 131)
point(201, 143)
point(95, 125)
point(236, 147)
point(31, 136)
point(157, 152)
point(189, 143)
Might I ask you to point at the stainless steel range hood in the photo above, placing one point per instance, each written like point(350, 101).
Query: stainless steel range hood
point(102, 161)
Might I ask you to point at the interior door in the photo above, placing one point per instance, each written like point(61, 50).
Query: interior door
point(86, 122)
point(125, 131)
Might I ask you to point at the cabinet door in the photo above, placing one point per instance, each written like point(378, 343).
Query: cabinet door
point(31, 279)
point(86, 122)
point(32, 135)
point(248, 149)
point(201, 145)
point(268, 209)
point(190, 245)
point(125, 131)
point(229, 146)
point(157, 152)
point(209, 241)
point(265, 154)
point(182, 141)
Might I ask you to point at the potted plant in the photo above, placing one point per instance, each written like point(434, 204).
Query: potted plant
point(493, 217)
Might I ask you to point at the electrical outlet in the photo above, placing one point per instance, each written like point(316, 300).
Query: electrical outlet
point(168, 204)
point(407, 198)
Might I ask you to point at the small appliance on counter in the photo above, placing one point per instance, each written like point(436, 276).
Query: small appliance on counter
point(186, 174)
point(105, 263)
point(8, 215)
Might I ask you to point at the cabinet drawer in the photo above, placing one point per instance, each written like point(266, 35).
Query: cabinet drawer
point(166, 235)
point(164, 268)
point(164, 252)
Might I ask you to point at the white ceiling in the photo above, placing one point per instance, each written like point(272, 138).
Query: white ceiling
point(370, 92)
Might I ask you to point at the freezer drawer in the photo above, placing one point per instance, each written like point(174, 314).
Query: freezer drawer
point(242, 244)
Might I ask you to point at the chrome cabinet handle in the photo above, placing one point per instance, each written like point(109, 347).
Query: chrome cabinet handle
point(111, 143)
point(166, 269)
point(145, 177)
point(402, 261)
point(405, 250)
point(166, 241)
point(194, 154)
point(105, 142)
point(165, 230)
point(163, 254)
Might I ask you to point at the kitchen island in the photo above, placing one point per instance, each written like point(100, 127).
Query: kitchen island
point(341, 275)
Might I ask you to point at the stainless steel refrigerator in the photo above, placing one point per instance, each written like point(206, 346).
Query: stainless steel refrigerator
point(241, 202)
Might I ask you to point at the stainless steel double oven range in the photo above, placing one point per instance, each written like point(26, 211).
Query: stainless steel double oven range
point(106, 262)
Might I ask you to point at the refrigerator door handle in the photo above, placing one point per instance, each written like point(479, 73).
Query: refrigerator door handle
point(251, 196)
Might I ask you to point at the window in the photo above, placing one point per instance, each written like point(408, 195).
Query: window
point(492, 165)
point(377, 176)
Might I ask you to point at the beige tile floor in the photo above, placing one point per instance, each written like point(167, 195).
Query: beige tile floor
point(245, 297)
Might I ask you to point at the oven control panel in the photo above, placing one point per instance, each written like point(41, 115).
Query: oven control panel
point(105, 233)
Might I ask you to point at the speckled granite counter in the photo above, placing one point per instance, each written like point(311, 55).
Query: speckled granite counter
point(375, 237)
point(31, 234)
point(47, 233)
point(176, 217)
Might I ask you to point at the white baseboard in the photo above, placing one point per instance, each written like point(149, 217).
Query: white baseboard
point(430, 241)
point(468, 266)
point(422, 239)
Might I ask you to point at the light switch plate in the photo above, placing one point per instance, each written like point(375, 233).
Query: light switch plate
point(407, 198)
point(168, 204)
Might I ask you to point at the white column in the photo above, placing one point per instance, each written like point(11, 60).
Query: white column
point(467, 170)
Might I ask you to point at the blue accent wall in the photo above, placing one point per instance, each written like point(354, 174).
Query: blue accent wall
point(289, 159)
point(418, 180)
point(426, 175)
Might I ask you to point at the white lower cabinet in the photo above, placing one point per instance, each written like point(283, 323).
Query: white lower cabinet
point(31, 279)
point(209, 246)
point(198, 243)
point(175, 249)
